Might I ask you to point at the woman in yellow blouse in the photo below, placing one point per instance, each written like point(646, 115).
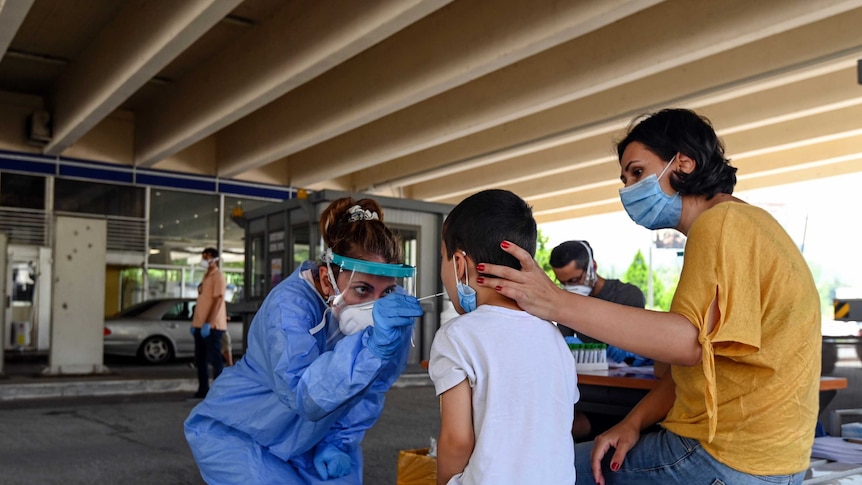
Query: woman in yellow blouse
point(740, 402)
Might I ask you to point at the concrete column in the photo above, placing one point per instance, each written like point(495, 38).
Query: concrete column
point(77, 296)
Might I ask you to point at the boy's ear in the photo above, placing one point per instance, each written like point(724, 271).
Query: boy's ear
point(461, 264)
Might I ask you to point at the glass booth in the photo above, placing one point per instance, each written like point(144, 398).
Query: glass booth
point(279, 237)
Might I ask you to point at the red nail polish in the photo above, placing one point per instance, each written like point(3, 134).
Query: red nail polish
point(504, 244)
point(498, 288)
point(480, 280)
point(480, 267)
point(615, 466)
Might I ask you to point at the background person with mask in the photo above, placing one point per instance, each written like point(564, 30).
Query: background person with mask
point(742, 337)
point(209, 322)
point(325, 346)
point(575, 269)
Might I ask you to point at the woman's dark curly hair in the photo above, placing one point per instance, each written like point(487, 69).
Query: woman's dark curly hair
point(672, 131)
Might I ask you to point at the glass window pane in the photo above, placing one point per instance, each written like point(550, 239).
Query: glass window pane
point(301, 245)
point(234, 221)
point(131, 287)
point(97, 198)
point(258, 271)
point(233, 243)
point(22, 191)
point(175, 312)
point(182, 224)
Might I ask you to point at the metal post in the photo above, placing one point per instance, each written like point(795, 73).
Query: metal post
point(649, 278)
point(145, 279)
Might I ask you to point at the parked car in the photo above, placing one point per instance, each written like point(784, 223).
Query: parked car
point(157, 331)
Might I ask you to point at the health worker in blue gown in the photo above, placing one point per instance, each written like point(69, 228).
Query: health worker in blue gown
point(325, 346)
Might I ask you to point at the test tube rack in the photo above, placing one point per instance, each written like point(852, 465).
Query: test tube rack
point(590, 356)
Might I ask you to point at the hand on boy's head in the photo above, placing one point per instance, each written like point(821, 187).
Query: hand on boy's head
point(530, 287)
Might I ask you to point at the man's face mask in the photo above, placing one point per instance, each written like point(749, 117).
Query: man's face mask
point(587, 281)
point(584, 290)
point(648, 205)
point(466, 294)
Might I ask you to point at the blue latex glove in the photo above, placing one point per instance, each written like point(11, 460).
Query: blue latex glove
point(394, 315)
point(330, 462)
point(617, 354)
point(205, 330)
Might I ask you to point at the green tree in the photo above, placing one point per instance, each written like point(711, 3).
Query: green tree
point(543, 254)
point(638, 274)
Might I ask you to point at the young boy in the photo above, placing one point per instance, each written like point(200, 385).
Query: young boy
point(506, 379)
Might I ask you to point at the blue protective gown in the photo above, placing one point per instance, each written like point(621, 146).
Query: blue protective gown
point(289, 395)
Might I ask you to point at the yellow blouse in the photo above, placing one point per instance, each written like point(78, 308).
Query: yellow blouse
point(753, 403)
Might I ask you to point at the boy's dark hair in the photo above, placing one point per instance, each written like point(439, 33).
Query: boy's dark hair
point(672, 131)
point(570, 251)
point(211, 252)
point(479, 223)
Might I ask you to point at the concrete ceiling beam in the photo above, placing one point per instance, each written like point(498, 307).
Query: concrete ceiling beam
point(302, 41)
point(823, 156)
point(760, 150)
point(752, 68)
point(615, 56)
point(12, 14)
point(611, 203)
point(833, 91)
point(414, 65)
point(139, 42)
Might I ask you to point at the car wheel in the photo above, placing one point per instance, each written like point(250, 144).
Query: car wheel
point(155, 350)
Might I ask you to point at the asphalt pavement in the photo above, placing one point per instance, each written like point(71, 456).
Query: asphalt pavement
point(409, 420)
point(125, 426)
point(24, 378)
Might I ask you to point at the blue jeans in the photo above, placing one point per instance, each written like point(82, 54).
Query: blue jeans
point(663, 458)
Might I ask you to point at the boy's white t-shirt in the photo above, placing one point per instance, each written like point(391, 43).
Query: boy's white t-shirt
point(524, 385)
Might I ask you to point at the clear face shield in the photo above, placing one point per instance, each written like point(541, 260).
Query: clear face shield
point(351, 319)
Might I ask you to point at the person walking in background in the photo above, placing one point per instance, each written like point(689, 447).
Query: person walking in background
point(742, 337)
point(575, 267)
point(506, 379)
point(209, 323)
point(323, 349)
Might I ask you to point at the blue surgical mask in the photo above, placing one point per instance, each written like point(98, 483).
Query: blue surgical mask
point(649, 206)
point(466, 294)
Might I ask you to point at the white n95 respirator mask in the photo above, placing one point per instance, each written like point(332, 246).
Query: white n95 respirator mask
point(579, 289)
point(352, 318)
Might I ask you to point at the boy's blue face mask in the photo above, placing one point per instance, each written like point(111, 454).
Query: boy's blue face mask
point(466, 294)
point(648, 205)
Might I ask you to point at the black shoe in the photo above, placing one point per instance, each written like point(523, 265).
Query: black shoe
point(199, 395)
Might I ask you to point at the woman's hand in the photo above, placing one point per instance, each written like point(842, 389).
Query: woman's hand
point(530, 287)
point(622, 437)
